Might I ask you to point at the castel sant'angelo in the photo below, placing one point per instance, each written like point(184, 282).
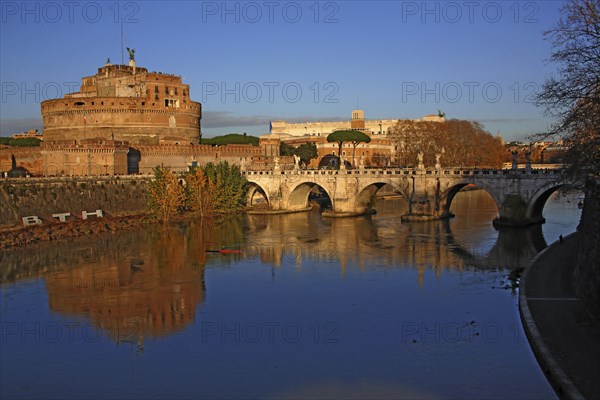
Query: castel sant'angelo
point(125, 103)
point(123, 120)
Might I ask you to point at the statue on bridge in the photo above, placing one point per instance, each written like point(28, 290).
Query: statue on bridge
point(420, 164)
point(515, 155)
point(296, 162)
point(528, 159)
point(438, 155)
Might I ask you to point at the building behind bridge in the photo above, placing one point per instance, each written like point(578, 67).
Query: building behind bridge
point(379, 152)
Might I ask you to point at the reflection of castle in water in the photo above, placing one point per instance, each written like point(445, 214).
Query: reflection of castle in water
point(151, 290)
point(133, 285)
point(129, 299)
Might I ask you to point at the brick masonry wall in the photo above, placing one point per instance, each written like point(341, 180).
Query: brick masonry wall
point(27, 157)
point(108, 157)
point(587, 269)
point(46, 196)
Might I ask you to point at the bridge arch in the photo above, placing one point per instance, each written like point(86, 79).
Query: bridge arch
point(535, 206)
point(367, 192)
point(448, 196)
point(298, 197)
point(254, 189)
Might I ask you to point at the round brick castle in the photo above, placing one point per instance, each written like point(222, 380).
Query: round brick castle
point(125, 103)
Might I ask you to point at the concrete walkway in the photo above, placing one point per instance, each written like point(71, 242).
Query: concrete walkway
point(564, 336)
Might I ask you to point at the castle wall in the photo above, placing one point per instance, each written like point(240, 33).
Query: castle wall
point(181, 157)
point(93, 158)
point(80, 159)
point(132, 120)
point(29, 158)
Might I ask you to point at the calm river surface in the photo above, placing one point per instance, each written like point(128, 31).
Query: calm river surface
point(312, 307)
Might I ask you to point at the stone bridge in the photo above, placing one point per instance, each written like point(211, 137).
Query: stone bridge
point(520, 194)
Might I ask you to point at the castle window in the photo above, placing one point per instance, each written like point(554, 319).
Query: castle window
point(155, 97)
point(92, 103)
point(175, 91)
point(172, 103)
point(184, 93)
point(155, 89)
point(143, 103)
point(79, 103)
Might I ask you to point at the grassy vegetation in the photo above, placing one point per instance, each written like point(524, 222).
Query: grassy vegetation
point(232, 138)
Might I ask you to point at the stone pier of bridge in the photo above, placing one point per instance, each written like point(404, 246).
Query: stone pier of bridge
point(520, 194)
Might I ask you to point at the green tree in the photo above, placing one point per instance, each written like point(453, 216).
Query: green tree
point(229, 187)
point(167, 195)
point(21, 142)
point(232, 138)
point(285, 149)
point(353, 136)
point(573, 98)
point(306, 152)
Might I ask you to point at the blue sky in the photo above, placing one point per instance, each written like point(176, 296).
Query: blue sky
point(252, 62)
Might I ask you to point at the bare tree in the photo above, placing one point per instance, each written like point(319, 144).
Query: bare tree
point(573, 96)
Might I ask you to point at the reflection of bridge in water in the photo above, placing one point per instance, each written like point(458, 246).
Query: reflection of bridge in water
point(382, 244)
point(520, 194)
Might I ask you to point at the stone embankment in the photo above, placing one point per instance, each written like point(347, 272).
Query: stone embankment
point(123, 201)
point(43, 197)
point(61, 230)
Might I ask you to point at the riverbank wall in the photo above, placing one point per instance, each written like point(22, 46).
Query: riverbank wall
point(43, 197)
point(586, 277)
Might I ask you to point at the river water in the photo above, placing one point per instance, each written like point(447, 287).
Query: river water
point(311, 307)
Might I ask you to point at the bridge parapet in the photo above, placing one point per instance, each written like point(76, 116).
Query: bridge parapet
point(409, 171)
point(519, 193)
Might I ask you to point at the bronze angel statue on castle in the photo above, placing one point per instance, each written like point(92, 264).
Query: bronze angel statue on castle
point(131, 53)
